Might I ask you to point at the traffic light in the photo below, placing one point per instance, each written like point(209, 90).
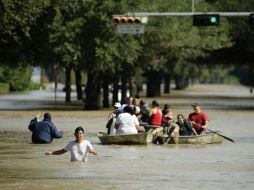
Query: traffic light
point(129, 20)
point(206, 20)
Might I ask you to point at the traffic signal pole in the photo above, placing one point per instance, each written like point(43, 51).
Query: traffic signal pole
point(225, 14)
point(132, 22)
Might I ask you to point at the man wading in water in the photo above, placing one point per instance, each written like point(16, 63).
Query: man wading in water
point(79, 148)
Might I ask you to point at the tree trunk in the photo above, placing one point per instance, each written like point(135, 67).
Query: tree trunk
point(132, 87)
point(153, 84)
point(68, 84)
point(105, 94)
point(115, 90)
point(167, 83)
point(92, 101)
point(124, 89)
point(78, 83)
point(180, 83)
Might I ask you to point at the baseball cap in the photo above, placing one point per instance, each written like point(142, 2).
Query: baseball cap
point(195, 104)
point(117, 105)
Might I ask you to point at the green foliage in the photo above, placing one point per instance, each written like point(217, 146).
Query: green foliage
point(18, 78)
point(81, 34)
point(4, 88)
point(242, 36)
point(217, 75)
point(16, 20)
point(245, 74)
point(16, 17)
point(36, 86)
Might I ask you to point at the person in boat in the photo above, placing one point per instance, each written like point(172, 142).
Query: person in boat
point(116, 110)
point(165, 113)
point(137, 109)
point(126, 123)
point(112, 118)
point(185, 127)
point(165, 109)
point(144, 113)
point(198, 119)
point(79, 148)
point(169, 131)
point(43, 132)
point(136, 101)
point(155, 114)
point(135, 114)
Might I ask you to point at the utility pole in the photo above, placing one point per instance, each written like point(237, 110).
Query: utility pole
point(193, 6)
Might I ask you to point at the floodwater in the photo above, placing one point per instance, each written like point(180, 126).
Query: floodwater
point(221, 166)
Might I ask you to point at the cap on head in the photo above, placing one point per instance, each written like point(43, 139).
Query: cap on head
point(117, 105)
point(195, 104)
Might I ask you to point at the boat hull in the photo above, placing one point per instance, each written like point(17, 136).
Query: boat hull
point(207, 138)
point(139, 138)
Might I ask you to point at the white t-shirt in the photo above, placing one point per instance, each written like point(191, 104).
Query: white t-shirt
point(79, 152)
point(126, 124)
point(135, 120)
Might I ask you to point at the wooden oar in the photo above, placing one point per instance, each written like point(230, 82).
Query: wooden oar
point(216, 133)
point(221, 135)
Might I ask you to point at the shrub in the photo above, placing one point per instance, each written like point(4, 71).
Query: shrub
point(4, 88)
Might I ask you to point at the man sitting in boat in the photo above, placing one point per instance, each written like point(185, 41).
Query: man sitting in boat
point(112, 118)
point(185, 127)
point(198, 119)
point(135, 114)
point(168, 133)
point(144, 113)
point(126, 123)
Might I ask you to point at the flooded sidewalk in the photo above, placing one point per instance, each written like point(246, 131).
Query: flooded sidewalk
point(210, 96)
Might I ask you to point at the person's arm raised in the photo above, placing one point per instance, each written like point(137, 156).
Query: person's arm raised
point(57, 152)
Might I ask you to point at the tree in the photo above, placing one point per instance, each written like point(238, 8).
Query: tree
point(16, 19)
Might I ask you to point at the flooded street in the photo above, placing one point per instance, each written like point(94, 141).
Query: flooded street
point(220, 166)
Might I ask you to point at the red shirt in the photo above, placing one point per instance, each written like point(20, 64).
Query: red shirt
point(200, 119)
point(155, 119)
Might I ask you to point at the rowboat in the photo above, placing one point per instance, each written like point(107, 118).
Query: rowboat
point(139, 138)
point(144, 138)
point(212, 137)
point(206, 138)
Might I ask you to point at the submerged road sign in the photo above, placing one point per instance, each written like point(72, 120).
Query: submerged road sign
point(130, 28)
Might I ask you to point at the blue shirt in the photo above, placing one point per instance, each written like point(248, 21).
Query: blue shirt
point(43, 131)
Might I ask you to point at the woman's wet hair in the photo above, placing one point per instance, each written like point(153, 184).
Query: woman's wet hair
point(79, 129)
point(155, 103)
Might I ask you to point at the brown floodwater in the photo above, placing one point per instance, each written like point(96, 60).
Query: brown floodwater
point(220, 166)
